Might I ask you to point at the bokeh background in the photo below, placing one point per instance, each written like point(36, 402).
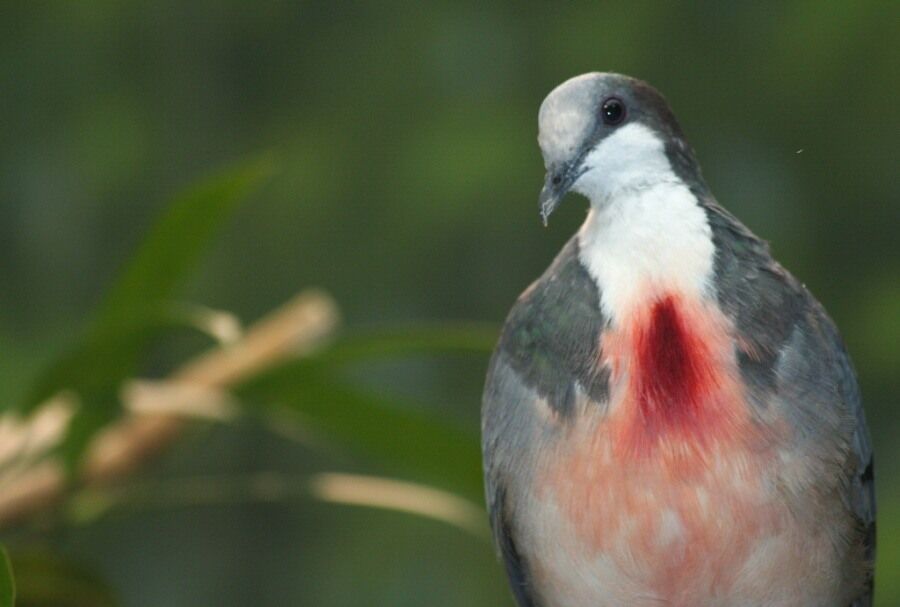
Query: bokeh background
point(407, 187)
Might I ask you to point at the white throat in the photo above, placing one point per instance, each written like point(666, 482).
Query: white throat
point(646, 233)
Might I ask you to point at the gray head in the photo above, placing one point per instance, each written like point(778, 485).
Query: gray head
point(601, 132)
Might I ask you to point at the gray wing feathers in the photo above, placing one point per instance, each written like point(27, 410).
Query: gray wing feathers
point(795, 357)
point(822, 398)
point(507, 431)
point(862, 483)
point(548, 352)
point(551, 337)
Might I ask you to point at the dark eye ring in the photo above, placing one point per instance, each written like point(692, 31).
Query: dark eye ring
point(612, 111)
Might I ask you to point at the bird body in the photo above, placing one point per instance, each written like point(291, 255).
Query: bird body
point(670, 418)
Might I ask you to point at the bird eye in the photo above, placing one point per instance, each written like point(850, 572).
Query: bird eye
point(612, 111)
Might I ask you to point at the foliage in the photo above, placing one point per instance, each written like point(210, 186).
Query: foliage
point(314, 387)
point(7, 583)
point(135, 309)
point(46, 579)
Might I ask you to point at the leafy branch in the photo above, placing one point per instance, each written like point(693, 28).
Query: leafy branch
point(89, 423)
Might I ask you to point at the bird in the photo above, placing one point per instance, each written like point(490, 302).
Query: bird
point(669, 418)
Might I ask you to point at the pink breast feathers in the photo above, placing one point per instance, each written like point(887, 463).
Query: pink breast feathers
point(667, 482)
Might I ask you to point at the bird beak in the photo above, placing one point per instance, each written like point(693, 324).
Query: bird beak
point(557, 182)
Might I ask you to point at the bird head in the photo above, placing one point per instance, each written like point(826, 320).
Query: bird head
point(601, 133)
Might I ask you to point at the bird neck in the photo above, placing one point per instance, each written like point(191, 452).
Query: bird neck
point(646, 243)
point(632, 159)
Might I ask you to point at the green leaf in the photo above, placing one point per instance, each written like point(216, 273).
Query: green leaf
point(7, 582)
point(177, 240)
point(45, 579)
point(93, 365)
point(135, 311)
point(408, 439)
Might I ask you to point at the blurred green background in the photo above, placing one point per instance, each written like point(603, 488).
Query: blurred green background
point(407, 187)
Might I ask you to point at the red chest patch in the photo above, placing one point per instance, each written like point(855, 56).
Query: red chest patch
point(673, 375)
point(674, 372)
